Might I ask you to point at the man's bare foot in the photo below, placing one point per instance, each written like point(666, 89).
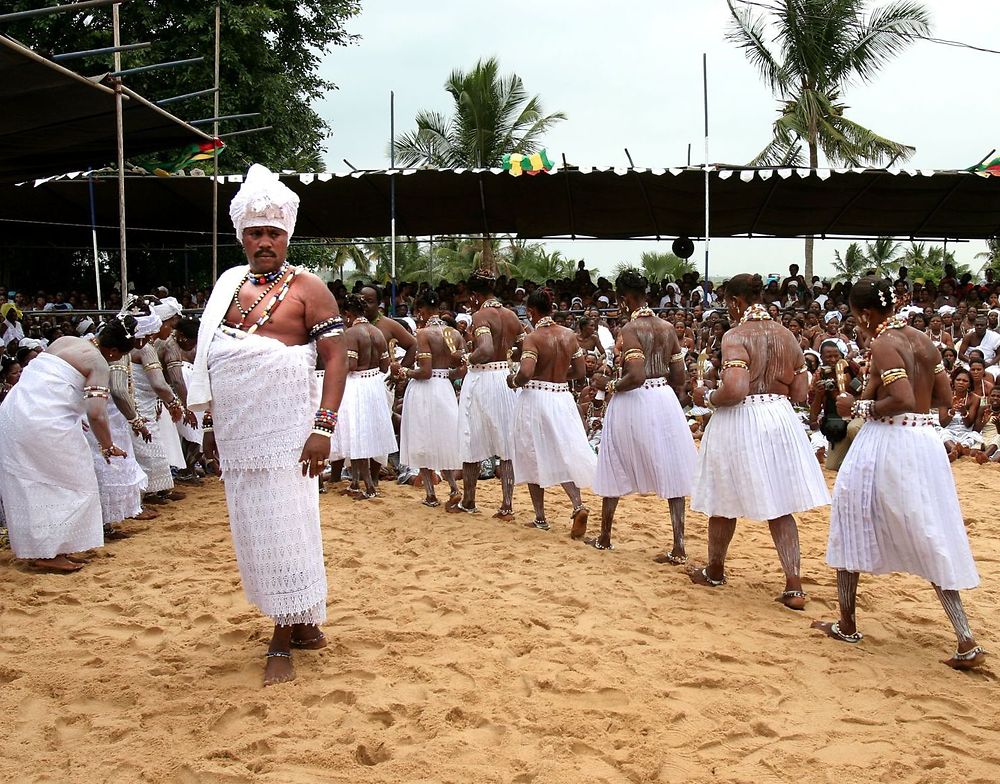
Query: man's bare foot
point(793, 600)
point(833, 630)
point(461, 508)
point(579, 518)
point(278, 668)
point(953, 456)
point(77, 559)
point(147, 514)
point(432, 502)
point(175, 495)
point(981, 457)
point(504, 515)
point(115, 534)
point(673, 558)
point(599, 543)
point(700, 576)
point(60, 564)
point(968, 659)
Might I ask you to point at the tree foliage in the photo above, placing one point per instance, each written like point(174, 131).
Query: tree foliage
point(269, 63)
point(659, 266)
point(927, 262)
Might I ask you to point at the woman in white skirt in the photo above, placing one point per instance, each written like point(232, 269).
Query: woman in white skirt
point(549, 441)
point(647, 446)
point(428, 431)
point(755, 459)
point(959, 418)
point(364, 423)
point(895, 508)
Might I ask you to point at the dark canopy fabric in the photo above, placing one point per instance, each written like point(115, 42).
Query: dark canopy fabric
point(607, 204)
point(56, 121)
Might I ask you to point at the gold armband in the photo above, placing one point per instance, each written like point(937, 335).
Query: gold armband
point(481, 331)
point(633, 353)
point(939, 368)
point(892, 375)
point(803, 369)
point(153, 366)
point(520, 338)
point(385, 355)
point(528, 355)
point(578, 353)
point(352, 354)
point(679, 357)
point(735, 363)
point(424, 355)
point(175, 364)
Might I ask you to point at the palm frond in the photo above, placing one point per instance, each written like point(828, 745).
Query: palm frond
point(887, 32)
point(747, 31)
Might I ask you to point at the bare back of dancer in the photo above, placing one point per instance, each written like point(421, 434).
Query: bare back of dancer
point(912, 350)
point(369, 343)
point(555, 347)
point(504, 326)
point(659, 343)
point(773, 355)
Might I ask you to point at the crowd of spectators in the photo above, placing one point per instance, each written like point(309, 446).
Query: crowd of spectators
point(960, 313)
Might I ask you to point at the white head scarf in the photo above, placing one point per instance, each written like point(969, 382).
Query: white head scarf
point(837, 343)
point(168, 308)
point(263, 200)
point(946, 310)
point(833, 314)
point(147, 325)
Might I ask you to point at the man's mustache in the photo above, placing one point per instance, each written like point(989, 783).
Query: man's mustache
point(261, 254)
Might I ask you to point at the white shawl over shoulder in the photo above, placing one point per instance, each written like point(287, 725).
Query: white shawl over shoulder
point(199, 397)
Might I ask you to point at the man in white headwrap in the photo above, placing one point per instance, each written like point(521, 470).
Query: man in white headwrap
point(253, 376)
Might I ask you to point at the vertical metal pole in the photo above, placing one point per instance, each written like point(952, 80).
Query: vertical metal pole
point(704, 70)
point(93, 237)
point(121, 156)
point(392, 195)
point(215, 153)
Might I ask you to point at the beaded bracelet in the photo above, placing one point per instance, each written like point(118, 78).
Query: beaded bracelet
point(137, 424)
point(99, 392)
point(330, 328)
point(863, 409)
point(175, 404)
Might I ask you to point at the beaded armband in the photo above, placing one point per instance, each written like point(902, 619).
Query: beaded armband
point(939, 368)
point(529, 354)
point(803, 369)
point(116, 368)
point(425, 355)
point(352, 354)
point(325, 422)
point(633, 353)
point(153, 366)
point(207, 425)
point(863, 409)
point(330, 328)
point(735, 363)
point(892, 375)
point(520, 338)
point(101, 392)
point(481, 331)
point(578, 353)
point(678, 357)
point(384, 355)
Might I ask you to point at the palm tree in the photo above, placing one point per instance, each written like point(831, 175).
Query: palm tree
point(851, 265)
point(493, 115)
point(882, 254)
point(822, 45)
point(991, 256)
point(928, 262)
point(659, 266)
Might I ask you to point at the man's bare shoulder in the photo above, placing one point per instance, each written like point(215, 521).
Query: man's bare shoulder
point(310, 283)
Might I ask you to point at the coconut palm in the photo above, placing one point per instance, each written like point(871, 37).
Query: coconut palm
point(851, 265)
point(928, 262)
point(882, 255)
point(991, 256)
point(807, 51)
point(659, 266)
point(493, 115)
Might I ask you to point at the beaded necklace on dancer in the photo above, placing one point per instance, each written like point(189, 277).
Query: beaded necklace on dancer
point(289, 273)
point(644, 312)
point(755, 312)
point(545, 321)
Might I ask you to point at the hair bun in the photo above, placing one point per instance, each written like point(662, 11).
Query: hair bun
point(756, 283)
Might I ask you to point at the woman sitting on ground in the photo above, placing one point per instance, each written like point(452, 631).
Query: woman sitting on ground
point(981, 382)
point(959, 421)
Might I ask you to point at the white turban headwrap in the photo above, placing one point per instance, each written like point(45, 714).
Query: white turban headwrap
point(833, 314)
point(147, 325)
point(837, 343)
point(168, 308)
point(946, 310)
point(263, 200)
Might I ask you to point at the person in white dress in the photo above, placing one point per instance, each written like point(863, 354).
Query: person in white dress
point(895, 508)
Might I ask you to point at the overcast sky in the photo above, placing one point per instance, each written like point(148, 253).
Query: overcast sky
point(628, 74)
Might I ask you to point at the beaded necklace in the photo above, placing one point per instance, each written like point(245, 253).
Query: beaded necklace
point(756, 312)
point(435, 321)
point(271, 305)
point(492, 303)
point(259, 279)
point(260, 298)
point(643, 312)
point(544, 322)
point(893, 322)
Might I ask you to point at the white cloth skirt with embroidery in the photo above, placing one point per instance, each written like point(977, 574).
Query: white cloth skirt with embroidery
point(122, 481)
point(152, 457)
point(186, 432)
point(47, 478)
point(428, 434)
point(756, 462)
point(486, 414)
point(273, 509)
point(647, 445)
point(550, 443)
point(364, 422)
point(895, 508)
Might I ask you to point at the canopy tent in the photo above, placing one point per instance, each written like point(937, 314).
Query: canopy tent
point(57, 121)
point(571, 202)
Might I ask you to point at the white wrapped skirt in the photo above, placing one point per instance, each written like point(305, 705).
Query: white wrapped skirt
point(428, 434)
point(756, 462)
point(550, 443)
point(364, 422)
point(486, 414)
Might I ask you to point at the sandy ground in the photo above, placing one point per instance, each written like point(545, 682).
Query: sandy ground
point(464, 650)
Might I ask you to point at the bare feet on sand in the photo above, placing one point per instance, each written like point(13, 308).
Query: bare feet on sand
point(579, 518)
point(675, 558)
point(60, 564)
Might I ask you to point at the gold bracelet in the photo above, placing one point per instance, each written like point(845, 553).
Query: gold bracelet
point(153, 366)
point(633, 353)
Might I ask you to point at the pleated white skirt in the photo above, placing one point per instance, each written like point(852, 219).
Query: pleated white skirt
point(486, 414)
point(428, 433)
point(122, 482)
point(646, 445)
point(756, 462)
point(364, 422)
point(895, 508)
point(550, 443)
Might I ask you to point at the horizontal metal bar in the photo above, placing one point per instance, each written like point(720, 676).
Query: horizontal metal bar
point(95, 52)
point(156, 66)
point(184, 97)
point(208, 120)
point(84, 4)
point(243, 133)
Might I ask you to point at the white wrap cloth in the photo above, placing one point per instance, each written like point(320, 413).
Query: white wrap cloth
point(550, 442)
point(154, 457)
point(428, 433)
point(47, 478)
point(895, 508)
point(364, 422)
point(486, 414)
point(756, 462)
point(265, 402)
point(646, 445)
point(122, 481)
